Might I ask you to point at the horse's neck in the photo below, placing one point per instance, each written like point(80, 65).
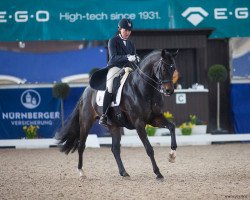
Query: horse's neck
point(147, 65)
point(143, 77)
point(148, 70)
point(146, 90)
point(144, 81)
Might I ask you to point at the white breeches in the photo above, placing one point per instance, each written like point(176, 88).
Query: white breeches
point(112, 73)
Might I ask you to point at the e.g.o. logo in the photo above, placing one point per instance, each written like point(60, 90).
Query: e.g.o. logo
point(195, 15)
point(30, 99)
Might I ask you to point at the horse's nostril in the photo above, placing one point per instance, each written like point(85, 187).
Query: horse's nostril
point(168, 91)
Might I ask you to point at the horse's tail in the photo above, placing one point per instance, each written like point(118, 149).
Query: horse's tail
point(70, 133)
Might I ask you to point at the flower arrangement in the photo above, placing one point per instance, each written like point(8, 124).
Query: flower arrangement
point(169, 116)
point(199, 126)
point(186, 128)
point(195, 120)
point(150, 130)
point(30, 131)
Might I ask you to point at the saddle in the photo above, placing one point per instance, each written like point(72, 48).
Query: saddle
point(118, 84)
point(116, 115)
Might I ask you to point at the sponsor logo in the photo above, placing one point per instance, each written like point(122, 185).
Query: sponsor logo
point(21, 16)
point(195, 15)
point(30, 99)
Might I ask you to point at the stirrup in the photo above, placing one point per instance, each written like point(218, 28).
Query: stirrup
point(103, 120)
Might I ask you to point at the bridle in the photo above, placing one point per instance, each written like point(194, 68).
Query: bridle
point(160, 81)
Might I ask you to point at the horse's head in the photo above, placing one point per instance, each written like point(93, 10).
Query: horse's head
point(164, 71)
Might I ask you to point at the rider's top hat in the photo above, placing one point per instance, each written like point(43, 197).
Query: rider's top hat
point(126, 24)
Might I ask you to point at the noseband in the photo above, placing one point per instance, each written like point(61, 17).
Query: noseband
point(159, 66)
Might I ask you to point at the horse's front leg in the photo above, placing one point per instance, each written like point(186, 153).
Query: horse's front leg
point(149, 149)
point(162, 122)
point(172, 153)
point(116, 150)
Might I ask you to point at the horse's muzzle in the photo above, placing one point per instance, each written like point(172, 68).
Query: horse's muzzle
point(167, 89)
point(168, 92)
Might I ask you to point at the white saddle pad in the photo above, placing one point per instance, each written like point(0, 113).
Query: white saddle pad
point(100, 93)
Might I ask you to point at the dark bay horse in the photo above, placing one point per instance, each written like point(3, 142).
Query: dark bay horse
point(142, 103)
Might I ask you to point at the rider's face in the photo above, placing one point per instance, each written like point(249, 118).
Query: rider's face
point(125, 33)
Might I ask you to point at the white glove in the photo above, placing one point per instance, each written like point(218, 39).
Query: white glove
point(131, 58)
point(138, 59)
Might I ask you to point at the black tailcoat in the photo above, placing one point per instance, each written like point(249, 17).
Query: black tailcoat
point(118, 51)
point(117, 57)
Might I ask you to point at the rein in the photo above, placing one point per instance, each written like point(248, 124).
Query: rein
point(160, 82)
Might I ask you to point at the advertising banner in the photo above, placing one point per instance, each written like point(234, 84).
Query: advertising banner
point(240, 106)
point(53, 66)
point(28, 20)
point(26, 107)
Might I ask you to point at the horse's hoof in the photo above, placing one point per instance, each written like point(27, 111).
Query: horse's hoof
point(81, 173)
point(172, 156)
point(171, 160)
point(159, 177)
point(125, 175)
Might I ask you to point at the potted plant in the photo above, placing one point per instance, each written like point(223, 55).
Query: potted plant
point(186, 128)
point(61, 91)
point(150, 130)
point(169, 116)
point(217, 73)
point(199, 127)
point(30, 131)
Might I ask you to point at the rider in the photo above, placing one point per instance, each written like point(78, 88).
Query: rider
point(121, 52)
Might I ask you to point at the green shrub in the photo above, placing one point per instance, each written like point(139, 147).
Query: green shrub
point(61, 90)
point(217, 73)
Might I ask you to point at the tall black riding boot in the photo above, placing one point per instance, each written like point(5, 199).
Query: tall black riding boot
point(106, 103)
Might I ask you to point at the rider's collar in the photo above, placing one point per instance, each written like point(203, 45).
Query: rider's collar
point(122, 37)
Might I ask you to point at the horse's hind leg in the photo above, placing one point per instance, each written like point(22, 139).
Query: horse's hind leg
point(116, 150)
point(150, 151)
point(86, 123)
point(81, 148)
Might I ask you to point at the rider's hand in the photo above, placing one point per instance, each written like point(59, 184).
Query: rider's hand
point(138, 59)
point(131, 58)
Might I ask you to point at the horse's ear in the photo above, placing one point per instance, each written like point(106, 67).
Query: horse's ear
point(164, 52)
point(174, 54)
